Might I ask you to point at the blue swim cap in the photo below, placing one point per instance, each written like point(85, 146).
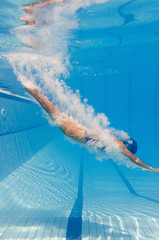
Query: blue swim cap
point(131, 145)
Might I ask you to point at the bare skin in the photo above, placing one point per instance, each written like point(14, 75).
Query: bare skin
point(29, 9)
point(76, 131)
point(29, 21)
point(66, 126)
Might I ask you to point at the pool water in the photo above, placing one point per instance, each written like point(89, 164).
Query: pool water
point(50, 186)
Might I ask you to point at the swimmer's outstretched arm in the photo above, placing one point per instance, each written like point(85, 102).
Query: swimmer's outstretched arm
point(134, 159)
point(69, 128)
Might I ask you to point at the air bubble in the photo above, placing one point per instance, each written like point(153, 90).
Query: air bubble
point(3, 113)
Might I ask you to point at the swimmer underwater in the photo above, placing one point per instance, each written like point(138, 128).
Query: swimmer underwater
point(70, 128)
point(79, 133)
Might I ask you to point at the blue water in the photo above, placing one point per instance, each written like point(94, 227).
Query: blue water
point(51, 187)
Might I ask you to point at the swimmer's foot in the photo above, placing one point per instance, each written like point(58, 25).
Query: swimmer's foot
point(32, 91)
point(29, 8)
point(28, 19)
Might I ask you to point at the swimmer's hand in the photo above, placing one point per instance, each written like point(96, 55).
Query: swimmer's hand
point(134, 159)
point(140, 163)
point(137, 161)
point(154, 169)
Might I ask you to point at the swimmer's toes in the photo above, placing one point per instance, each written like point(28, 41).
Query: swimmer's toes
point(27, 19)
point(28, 9)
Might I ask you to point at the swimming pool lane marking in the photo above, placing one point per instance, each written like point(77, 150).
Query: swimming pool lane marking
point(16, 97)
point(129, 187)
point(74, 226)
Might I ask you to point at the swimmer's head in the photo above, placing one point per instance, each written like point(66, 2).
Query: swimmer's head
point(131, 145)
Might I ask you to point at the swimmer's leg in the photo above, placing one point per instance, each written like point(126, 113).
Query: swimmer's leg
point(48, 106)
point(29, 8)
point(47, 2)
point(69, 128)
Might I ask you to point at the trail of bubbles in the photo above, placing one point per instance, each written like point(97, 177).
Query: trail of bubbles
point(46, 62)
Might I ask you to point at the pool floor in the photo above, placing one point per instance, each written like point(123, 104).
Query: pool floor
point(56, 196)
